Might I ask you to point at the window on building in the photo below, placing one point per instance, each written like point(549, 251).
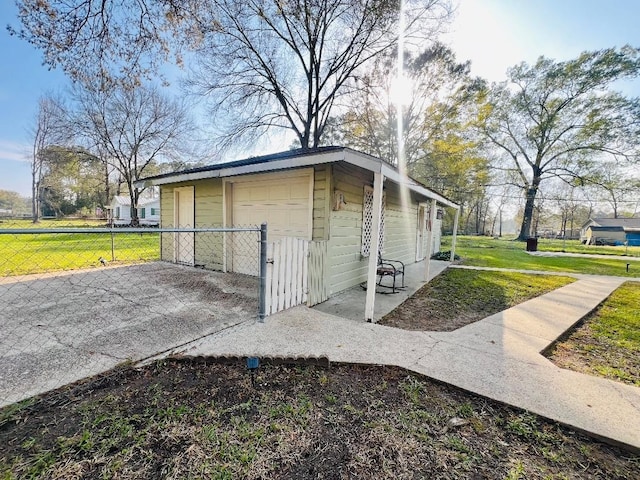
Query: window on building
point(143, 212)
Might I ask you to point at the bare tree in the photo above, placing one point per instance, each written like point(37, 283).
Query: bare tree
point(120, 41)
point(47, 130)
point(618, 185)
point(265, 63)
point(284, 65)
point(132, 129)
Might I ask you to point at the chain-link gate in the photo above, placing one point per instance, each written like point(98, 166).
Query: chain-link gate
point(75, 302)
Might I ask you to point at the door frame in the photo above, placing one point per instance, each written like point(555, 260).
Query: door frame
point(228, 185)
point(176, 223)
point(421, 229)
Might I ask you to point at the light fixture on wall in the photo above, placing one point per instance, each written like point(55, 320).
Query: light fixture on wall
point(338, 200)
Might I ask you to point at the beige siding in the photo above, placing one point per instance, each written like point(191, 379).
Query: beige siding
point(208, 213)
point(400, 226)
point(321, 202)
point(346, 266)
point(166, 220)
point(208, 205)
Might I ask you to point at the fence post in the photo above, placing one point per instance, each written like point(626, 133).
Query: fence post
point(263, 273)
point(113, 253)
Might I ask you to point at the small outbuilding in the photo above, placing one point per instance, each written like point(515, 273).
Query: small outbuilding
point(350, 204)
point(611, 231)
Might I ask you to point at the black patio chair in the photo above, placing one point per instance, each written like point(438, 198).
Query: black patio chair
point(390, 268)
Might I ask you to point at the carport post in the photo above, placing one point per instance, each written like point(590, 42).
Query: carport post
point(113, 253)
point(372, 269)
point(262, 313)
point(455, 233)
point(432, 223)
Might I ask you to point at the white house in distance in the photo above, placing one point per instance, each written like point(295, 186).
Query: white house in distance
point(119, 211)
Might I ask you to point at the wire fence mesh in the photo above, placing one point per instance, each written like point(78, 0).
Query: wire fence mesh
point(76, 301)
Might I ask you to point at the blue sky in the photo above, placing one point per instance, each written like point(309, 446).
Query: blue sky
point(493, 34)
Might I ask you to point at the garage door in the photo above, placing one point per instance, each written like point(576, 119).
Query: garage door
point(283, 200)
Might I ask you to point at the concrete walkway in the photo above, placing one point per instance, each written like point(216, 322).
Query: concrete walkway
point(498, 357)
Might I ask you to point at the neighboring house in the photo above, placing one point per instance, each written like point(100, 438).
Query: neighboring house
point(611, 231)
point(324, 195)
point(119, 211)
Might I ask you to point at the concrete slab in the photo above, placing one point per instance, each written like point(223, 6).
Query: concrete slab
point(350, 303)
point(56, 329)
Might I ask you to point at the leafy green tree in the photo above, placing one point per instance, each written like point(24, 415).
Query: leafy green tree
point(48, 128)
point(72, 181)
point(439, 146)
point(13, 202)
point(559, 119)
point(434, 89)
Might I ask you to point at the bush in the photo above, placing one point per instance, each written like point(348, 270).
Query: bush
point(446, 255)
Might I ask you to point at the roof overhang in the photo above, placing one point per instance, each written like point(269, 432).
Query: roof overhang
point(308, 159)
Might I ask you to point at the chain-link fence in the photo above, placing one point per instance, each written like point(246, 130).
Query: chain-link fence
point(76, 301)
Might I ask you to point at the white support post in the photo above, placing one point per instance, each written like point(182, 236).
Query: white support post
point(376, 215)
point(455, 233)
point(432, 223)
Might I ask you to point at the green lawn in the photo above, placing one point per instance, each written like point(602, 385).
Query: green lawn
point(25, 253)
point(458, 297)
point(52, 223)
point(503, 253)
point(607, 343)
point(574, 246)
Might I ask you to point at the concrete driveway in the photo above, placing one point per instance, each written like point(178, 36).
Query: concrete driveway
point(59, 328)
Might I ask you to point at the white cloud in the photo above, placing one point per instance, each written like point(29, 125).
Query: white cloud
point(14, 151)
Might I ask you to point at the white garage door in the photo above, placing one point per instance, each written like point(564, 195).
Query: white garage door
point(283, 200)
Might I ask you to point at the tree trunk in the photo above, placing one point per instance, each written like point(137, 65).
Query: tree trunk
point(134, 215)
point(133, 196)
point(107, 186)
point(35, 201)
point(527, 217)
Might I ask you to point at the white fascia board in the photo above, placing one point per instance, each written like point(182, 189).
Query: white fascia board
point(283, 164)
point(365, 161)
point(394, 176)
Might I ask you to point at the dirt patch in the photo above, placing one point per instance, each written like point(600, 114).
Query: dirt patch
point(201, 419)
point(459, 297)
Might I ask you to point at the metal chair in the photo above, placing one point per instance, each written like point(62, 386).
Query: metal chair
point(390, 268)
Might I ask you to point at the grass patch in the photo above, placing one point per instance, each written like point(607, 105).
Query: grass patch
point(606, 343)
point(38, 253)
point(575, 246)
point(200, 419)
point(458, 297)
point(501, 253)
